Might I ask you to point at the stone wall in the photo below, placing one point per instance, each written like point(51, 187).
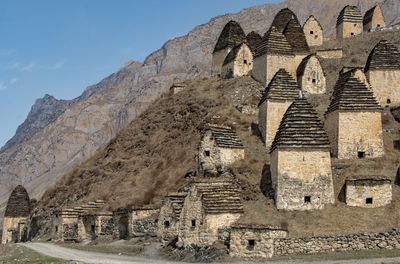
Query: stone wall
point(386, 86)
point(13, 229)
point(358, 191)
point(143, 222)
point(377, 22)
point(266, 66)
point(348, 29)
point(270, 115)
point(230, 155)
point(325, 244)
point(241, 65)
point(168, 221)
point(253, 242)
point(330, 53)
point(106, 225)
point(313, 32)
point(298, 183)
point(313, 79)
point(217, 61)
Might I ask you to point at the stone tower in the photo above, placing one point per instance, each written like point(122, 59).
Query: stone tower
point(238, 62)
point(15, 225)
point(313, 32)
point(253, 40)
point(231, 36)
point(349, 22)
point(299, 145)
point(278, 96)
point(273, 53)
point(383, 72)
point(353, 121)
point(311, 76)
point(373, 19)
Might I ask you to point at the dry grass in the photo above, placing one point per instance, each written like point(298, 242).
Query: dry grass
point(150, 157)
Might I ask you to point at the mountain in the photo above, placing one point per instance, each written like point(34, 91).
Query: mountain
point(58, 135)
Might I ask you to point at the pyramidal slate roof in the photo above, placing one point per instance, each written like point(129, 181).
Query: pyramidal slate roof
point(282, 87)
point(282, 19)
point(351, 94)
point(384, 56)
point(18, 204)
point(295, 36)
point(225, 137)
point(300, 128)
point(273, 42)
point(253, 39)
point(349, 14)
point(231, 36)
point(233, 53)
point(370, 14)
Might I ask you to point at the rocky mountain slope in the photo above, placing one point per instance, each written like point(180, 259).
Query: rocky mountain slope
point(47, 145)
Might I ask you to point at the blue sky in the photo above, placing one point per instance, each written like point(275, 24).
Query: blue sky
point(60, 47)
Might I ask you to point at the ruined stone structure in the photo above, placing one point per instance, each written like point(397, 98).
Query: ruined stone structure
point(66, 225)
point(253, 40)
point(299, 145)
point(168, 221)
point(278, 96)
point(143, 221)
point(373, 19)
point(272, 54)
point(238, 62)
point(349, 22)
point(368, 191)
point(219, 148)
point(96, 224)
point(353, 121)
point(313, 31)
point(16, 216)
point(231, 36)
point(311, 76)
point(211, 204)
point(383, 72)
point(254, 241)
point(177, 87)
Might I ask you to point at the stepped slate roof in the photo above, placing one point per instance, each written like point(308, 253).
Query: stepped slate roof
point(273, 42)
point(300, 128)
point(369, 15)
point(231, 36)
point(253, 39)
point(384, 56)
point(295, 36)
point(225, 137)
point(220, 196)
point(282, 87)
point(351, 94)
point(349, 14)
point(303, 65)
point(282, 19)
point(233, 53)
point(18, 204)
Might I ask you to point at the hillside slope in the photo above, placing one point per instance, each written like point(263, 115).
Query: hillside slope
point(39, 155)
point(151, 156)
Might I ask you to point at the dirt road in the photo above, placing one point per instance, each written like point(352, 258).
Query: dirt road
point(102, 258)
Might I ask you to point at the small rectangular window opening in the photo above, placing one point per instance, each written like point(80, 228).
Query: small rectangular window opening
point(245, 61)
point(193, 223)
point(251, 244)
point(93, 228)
point(166, 224)
point(352, 33)
point(307, 199)
point(355, 25)
point(361, 154)
point(311, 32)
point(368, 200)
point(56, 228)
point(314, 80)
point(378, 25)
point(207, 153)
point(388, 101)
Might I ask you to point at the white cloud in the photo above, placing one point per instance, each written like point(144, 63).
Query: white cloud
point(2, 86)
point(56, 66)
point(29, 67)
point(13, 80)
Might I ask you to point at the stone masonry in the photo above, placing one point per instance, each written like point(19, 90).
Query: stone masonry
point(313, 31)
point(373, 19)
point(349, 22)
point(368, 191)
point(310, 75)
point(238, 62)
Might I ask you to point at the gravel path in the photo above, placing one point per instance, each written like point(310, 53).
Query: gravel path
point(102, 258)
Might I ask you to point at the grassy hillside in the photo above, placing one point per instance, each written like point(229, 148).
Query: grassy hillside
point(151, 156)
